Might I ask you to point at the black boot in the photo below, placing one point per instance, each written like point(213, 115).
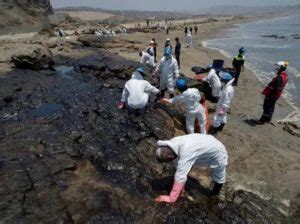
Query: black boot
point(216, 189)
point(160, 95)
point(221, 127)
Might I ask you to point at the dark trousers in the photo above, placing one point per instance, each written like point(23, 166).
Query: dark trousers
point(236, 77)
point(178, 59)
point(136, 112)
point(269, 107)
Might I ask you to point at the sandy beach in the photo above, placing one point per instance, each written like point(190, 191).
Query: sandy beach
point(262, 159)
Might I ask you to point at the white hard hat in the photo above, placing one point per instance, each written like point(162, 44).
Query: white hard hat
point(151, 42)
point(168, 39)
point(284, 64)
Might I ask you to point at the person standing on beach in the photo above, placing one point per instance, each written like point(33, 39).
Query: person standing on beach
point(273, 91)
point(225, 100)
point(155, 49)
point(167, 29)
point(185, 31)
point(177, 51)
point(189, 39)
point(168, 72)
point(168, 43)
point(238, 64)
point(191, 30)
point(196, 29)
point(150, 48)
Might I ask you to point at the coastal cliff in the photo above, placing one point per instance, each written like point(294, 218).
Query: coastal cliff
point(16, 13)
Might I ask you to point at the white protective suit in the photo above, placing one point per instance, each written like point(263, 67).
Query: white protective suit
point(201, 150)
point(214, 81)
point(150, 50)
point(168, 71)
point(136, 91)
point(98, 34)
point(224, 102)
point(147, 59)
point(189, 39)
point(191, 99)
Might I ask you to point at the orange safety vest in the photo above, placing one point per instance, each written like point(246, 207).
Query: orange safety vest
point(269, 89)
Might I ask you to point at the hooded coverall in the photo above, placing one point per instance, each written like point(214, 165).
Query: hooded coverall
point(191, 99)
point(168, 72)
point(136, 92)
point(147, 59)
point(223, 105)
point(189, 39)
point(201, 150)
point(214, 81)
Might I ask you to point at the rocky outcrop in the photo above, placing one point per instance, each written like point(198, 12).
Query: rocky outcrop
point(34, 59)
point(40, 6)
point(18, 12)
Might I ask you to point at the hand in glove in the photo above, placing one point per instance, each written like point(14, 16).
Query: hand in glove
point(154, 74)
point(177, 188)
point(164, 101)
point(221, 111)
point(121, 106)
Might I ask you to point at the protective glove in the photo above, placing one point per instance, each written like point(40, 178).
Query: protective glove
point(221, 111)
point(154, 74)
point(121, 106)
point(177, 188)
point(164, 100)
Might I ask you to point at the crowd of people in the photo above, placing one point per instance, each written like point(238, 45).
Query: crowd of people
point(197, 147)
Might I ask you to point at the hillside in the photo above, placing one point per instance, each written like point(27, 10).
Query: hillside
point(26, 13)
point(126, 15)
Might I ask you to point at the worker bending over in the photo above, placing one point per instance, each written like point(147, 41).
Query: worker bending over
point(194, 149)
point(194, 110)
point(136, 93)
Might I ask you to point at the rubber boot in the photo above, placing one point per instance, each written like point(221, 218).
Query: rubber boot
point(216, 189)
point(221, 127)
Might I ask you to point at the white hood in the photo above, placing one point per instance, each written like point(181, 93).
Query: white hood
point(137, 75)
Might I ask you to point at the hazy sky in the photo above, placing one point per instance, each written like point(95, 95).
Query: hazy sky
point(166, 4)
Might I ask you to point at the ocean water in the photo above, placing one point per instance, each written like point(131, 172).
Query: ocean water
point(267, 42)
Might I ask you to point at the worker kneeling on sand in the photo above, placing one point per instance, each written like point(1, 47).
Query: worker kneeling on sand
point(136, 93)
point(194, 110)
point(227, 94)
point(168, 72)
point(193, 149)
